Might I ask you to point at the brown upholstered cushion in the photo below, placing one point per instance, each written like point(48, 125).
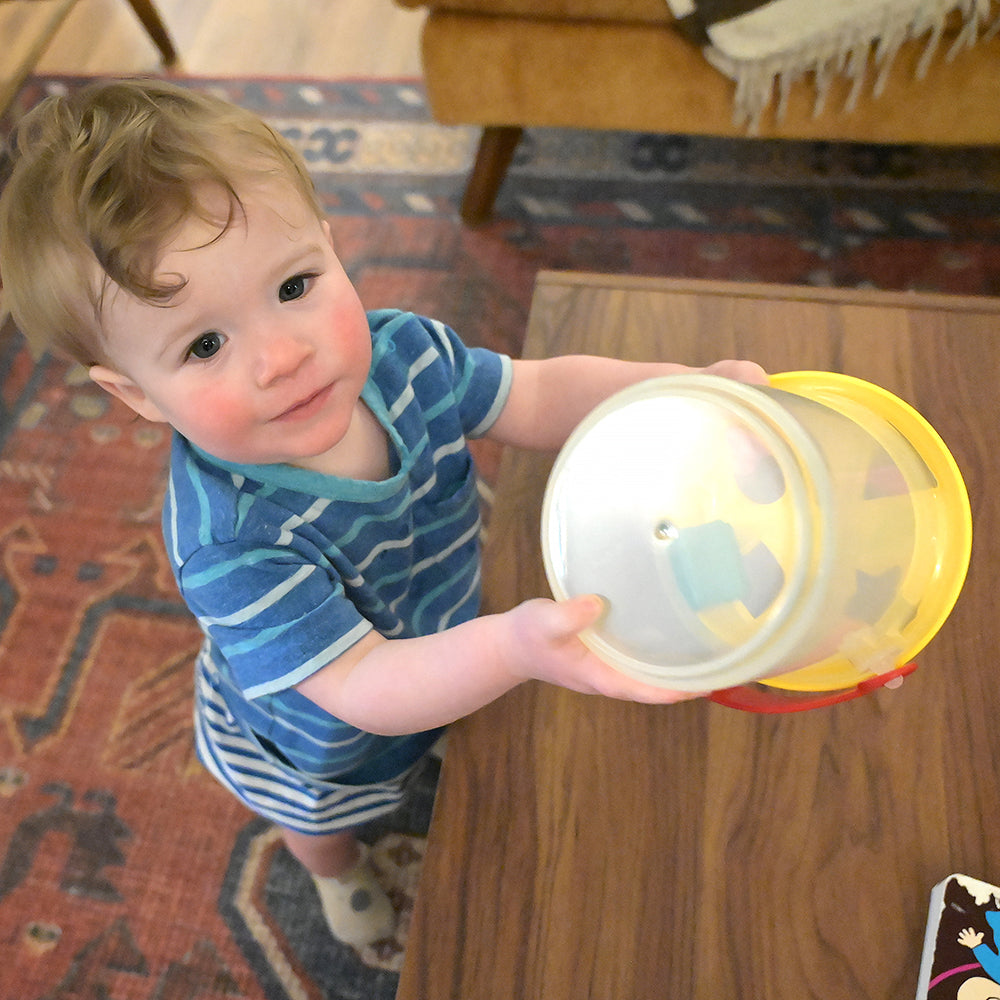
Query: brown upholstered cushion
point(635, 11)
point(521, 71)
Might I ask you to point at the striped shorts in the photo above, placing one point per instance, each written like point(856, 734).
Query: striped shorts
point(270, 788)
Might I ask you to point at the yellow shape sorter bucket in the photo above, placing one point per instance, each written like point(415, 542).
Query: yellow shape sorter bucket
point(783, 546)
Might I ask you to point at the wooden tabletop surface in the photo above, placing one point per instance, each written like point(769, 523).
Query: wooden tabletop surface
point(586, 848)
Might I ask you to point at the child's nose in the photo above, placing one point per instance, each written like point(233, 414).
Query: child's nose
point(280, 356)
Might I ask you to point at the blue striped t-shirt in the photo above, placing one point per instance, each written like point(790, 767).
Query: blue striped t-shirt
point(286, 568)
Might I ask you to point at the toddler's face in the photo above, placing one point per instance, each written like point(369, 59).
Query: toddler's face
point(261, 357)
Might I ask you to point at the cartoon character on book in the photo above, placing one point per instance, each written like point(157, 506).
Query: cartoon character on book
point(980, 988)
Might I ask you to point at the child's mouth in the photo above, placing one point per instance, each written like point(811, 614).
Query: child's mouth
point(308, 406)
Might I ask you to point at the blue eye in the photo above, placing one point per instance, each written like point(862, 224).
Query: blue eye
point(294, 288)
point(206, 346)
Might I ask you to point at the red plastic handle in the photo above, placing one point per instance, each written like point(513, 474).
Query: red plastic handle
point(759, 698)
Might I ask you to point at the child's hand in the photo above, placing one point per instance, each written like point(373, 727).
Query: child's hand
point(970, 938)
point(399, 686)
point(739, 371)
point(545, 646)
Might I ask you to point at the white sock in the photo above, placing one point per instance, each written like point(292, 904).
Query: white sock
point(357, 910)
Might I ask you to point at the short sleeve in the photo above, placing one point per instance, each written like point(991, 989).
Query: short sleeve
point(275, 615)
point(482, 381)
point(476, 381)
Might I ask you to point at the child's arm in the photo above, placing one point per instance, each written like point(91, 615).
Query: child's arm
point(397, 686)
point(549, 398)
point(402, 686)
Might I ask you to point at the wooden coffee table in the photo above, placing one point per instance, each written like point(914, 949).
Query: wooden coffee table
point(586, 848)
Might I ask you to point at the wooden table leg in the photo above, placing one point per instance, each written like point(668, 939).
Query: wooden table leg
point(151, 21)
point(49, 17)
point(496, 150)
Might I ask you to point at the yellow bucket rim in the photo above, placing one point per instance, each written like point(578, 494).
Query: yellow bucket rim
point(833, 388)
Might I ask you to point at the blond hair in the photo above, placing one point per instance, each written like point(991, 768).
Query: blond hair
point(101, 180)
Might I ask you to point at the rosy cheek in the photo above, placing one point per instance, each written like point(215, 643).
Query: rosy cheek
point(217, 415)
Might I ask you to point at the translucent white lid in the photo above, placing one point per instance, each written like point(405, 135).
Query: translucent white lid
point(699, 509)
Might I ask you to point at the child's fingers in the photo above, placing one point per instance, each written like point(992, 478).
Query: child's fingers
point(585, 610)
point(741, 371)
point(651, 695)
point(581, 612)
point(571, 664)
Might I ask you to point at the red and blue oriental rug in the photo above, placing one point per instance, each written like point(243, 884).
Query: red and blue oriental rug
point(125, 872)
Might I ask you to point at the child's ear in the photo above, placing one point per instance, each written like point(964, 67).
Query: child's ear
point(327, 231)
point(127, 391)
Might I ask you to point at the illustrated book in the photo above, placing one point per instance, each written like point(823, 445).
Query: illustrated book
point(961, 958)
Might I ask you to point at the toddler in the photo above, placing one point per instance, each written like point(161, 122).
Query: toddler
point(321, 515)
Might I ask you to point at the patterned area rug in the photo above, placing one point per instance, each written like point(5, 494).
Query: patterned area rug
point(125, 872)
